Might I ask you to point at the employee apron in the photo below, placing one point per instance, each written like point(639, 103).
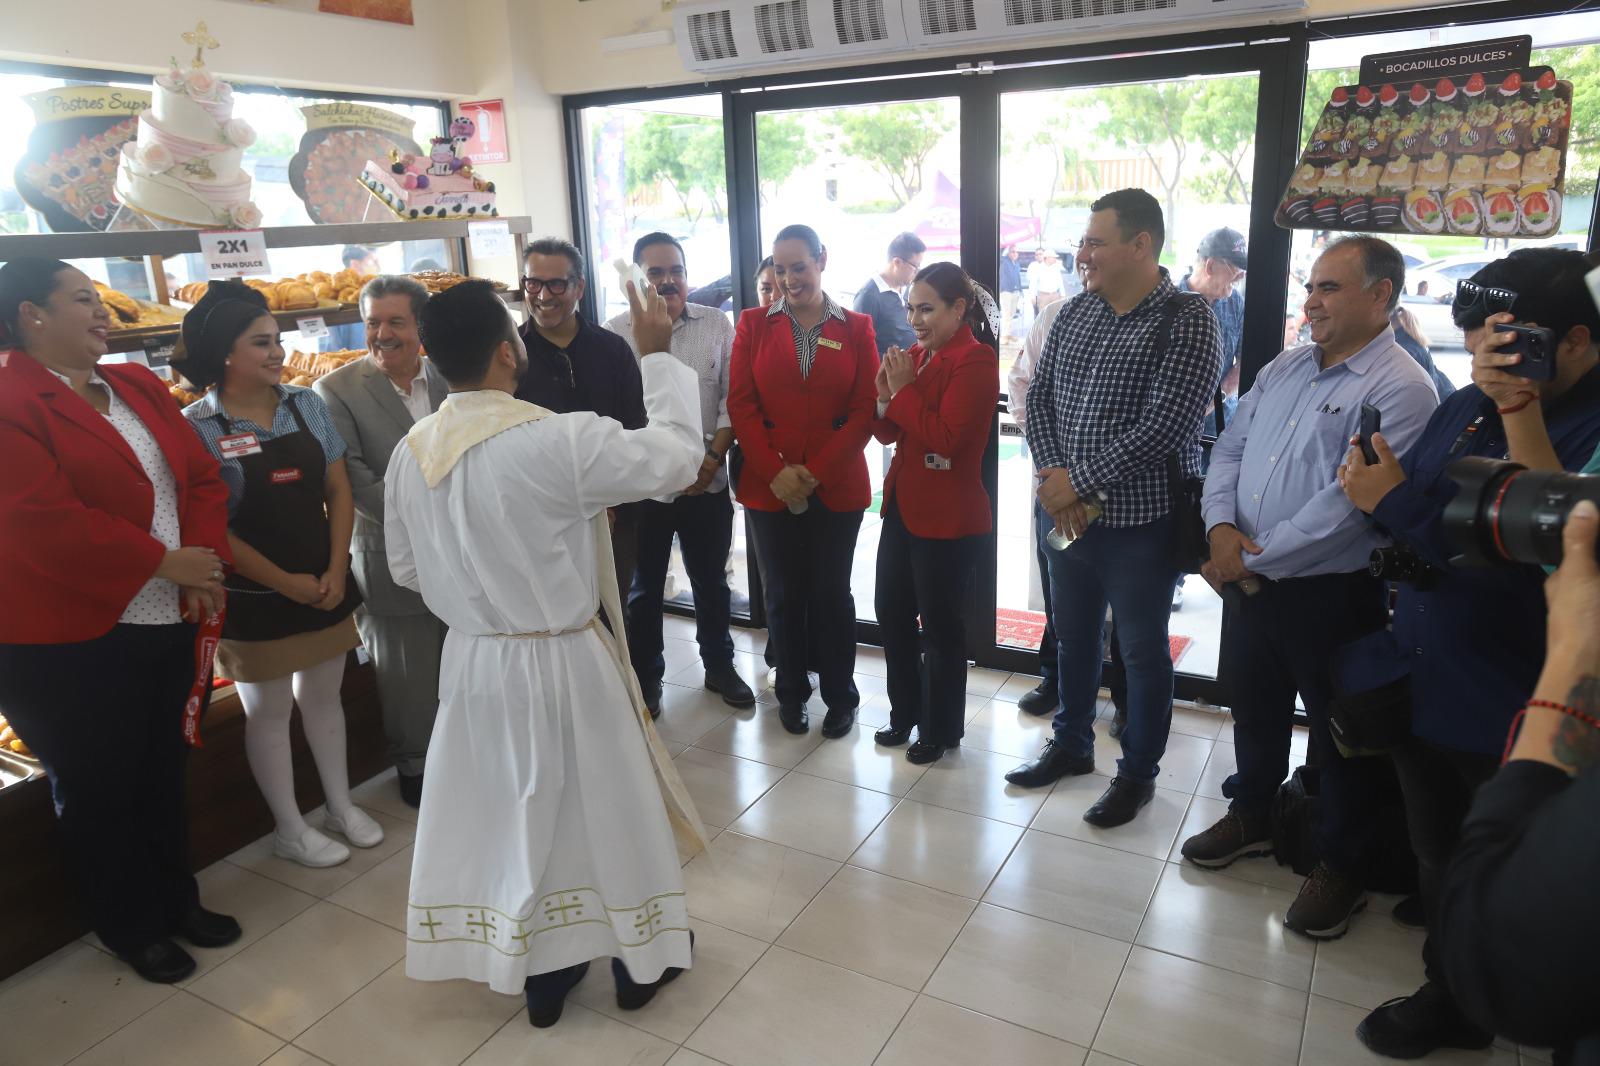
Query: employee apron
point(283, 516)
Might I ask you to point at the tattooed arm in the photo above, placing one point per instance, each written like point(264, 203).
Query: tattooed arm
point(1517, 921)
point(1572, 663)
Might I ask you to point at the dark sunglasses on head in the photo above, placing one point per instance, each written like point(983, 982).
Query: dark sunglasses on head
point(553, 286)
point(1473, 303)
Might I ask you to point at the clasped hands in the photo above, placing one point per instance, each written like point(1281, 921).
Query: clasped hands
point(1228, 547)
point(897, 370)
point(324, 593)
point(1060, 501)
point(197, 572)
point(794, 483)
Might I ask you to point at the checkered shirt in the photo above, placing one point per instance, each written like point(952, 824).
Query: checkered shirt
point(1107, 406)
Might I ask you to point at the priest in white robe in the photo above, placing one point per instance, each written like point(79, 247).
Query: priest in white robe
point(545, 837)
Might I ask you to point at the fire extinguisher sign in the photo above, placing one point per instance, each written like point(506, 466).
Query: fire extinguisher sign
point(488, 143)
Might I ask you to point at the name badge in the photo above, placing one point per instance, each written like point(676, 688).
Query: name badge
point(285, 476)
point(935, 462)
point(824, 342)
point(239, 445)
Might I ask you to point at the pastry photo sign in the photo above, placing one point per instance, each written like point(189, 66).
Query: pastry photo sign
point(1467, 140)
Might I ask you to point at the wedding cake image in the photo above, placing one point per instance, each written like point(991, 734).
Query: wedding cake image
point(183, 167)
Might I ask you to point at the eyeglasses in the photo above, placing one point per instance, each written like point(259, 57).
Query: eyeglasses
point(553, 286)
point(1473, 303)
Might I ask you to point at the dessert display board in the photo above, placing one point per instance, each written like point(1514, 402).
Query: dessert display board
point(339, 140)
point(69, 171)
point(1468, 140)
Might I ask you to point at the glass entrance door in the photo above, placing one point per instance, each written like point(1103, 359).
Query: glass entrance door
point(862, 175)
point(1190, 143)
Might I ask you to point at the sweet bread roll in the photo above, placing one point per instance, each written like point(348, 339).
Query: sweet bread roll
point(346, 278)
point(318, 277)
point(295, 295)
point(350, 295)
point(191, 293)
point(325, 291)
point(125, 307)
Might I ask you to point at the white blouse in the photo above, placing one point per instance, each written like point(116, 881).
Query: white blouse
point(157, 602)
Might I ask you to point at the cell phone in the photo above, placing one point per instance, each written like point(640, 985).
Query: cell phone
point(1536, 345)
point(1371, 422)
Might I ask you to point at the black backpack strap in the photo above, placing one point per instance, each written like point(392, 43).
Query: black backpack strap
point(1169, 317)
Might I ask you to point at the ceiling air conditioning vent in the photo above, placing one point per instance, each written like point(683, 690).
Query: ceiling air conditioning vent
point(783, 27)
point(944, 17)
point(710, 36)
point(859, 21)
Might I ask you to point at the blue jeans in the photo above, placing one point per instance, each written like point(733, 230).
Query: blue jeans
point(1132, 569)
point(1049, 653)
point(704, 525)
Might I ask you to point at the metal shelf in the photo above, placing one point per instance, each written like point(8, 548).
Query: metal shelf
point(288, 322)
point(183, 241)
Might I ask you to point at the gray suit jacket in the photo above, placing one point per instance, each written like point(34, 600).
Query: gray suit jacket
point(372, 419)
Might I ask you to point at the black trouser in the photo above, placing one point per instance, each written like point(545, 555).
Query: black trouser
point(105, 717)
point(767, 653)
point(1284, 639)
point(1438, 784)
point(926, 577)
point(704, 527)
point(806, 559)
point(625, 546)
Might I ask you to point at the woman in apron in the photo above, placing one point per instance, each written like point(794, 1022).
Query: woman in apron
point(290, 608)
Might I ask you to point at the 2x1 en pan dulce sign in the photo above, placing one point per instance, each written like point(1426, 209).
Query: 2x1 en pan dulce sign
point(234, 253)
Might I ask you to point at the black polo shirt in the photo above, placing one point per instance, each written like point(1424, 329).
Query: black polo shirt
point(596, 371)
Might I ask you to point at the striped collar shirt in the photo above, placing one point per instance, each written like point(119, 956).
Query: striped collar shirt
point(1110, 400)
point(805, 340)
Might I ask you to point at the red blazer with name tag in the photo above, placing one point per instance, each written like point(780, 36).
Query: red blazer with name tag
point(939, 425)
point(75, 505)
point(821, 422)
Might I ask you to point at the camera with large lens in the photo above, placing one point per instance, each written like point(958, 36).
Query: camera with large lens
point(1506, 513)
point(1399, 563)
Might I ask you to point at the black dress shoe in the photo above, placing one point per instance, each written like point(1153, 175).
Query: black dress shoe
point(1413, 1026)
point(1410, 913)
point(925, 751)
point(1041, 699)
point(208, 929)
point(1121, 800)
point(838, 722)
point(630, 994)
point(652, 697)
point(890, 737)
point(725, 680)
point(794, 718)
point(163, 962)
point(1053, 763)
point(546, 1004)
point(411, 790)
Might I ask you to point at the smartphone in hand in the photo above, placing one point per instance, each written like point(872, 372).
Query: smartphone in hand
point(1371, 422)
point(1536, 345)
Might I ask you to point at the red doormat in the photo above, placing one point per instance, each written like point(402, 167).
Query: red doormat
point(1023, 629)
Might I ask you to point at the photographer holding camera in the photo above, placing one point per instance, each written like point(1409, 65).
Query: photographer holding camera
point(1474, 636)
point(1516, 915)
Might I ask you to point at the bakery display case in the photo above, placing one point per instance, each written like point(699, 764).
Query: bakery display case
point(142, 272)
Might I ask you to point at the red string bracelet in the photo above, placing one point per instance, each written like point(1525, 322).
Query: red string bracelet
point(1513, 410)
point(1549, 705)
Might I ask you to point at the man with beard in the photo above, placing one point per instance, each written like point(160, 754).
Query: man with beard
point(374, 402)
point(700, 514)
point(547, 841)
point(574, 365)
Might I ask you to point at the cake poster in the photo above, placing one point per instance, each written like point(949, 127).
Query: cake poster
point(1467, 140)
point(339, 140)
point(396, 11)
point(69, 171)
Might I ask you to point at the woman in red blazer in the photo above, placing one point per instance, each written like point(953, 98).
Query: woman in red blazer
point(936, 405)
point(113, 525)
point(800, 398)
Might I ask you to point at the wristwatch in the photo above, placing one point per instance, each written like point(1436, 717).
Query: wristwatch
point(716, 458)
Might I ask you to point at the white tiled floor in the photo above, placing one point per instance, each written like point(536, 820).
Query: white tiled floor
point(855, 909)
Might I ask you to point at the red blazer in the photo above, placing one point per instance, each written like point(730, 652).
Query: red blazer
point(821, 422)
point(75, 506)
point(946, 413)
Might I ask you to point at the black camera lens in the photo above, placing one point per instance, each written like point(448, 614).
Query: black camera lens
point(1504, 512)
point(1398, 563)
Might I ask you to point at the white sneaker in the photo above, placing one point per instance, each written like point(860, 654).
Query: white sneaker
point(312, 849)
point(357, 827)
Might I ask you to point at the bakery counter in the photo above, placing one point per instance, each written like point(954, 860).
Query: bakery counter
point(226, 812)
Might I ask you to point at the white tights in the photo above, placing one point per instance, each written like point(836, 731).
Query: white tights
point(267, 706)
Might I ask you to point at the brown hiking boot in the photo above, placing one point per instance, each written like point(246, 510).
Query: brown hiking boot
point(1327, 902)
point(1235, 836)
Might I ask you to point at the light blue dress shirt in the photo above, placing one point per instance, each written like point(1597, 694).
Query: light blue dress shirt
point(1275, 470)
